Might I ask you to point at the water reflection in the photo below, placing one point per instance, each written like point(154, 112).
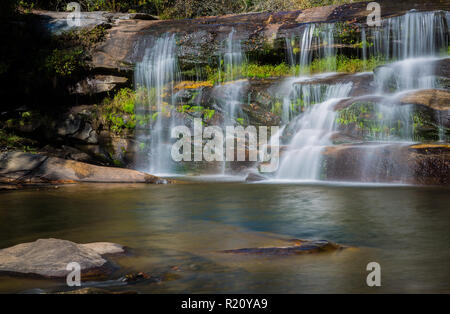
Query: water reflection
point(405, 229)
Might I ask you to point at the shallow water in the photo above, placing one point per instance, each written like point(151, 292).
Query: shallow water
point(403, 228)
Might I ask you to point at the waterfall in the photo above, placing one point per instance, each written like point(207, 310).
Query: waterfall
point(229, 92)
point(155, 76)
point(411, 35)
point(313, 133)
point(317, 40)
point(411, 43)
point(414, 40)
point(418, 38)
point(302, 94)
point(308, 108)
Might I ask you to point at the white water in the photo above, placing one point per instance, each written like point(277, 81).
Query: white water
point(230, 90)
point(317, 41)
point(157, 73)
point(414, 34)
point(415, 39)
point(309, 108)
point(313, 132)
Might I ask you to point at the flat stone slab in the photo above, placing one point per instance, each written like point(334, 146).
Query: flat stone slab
point(297, 247)
point(49, 257)
point(26, 168)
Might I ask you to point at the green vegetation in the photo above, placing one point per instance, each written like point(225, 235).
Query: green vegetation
point(366, 118)
point(206, 113)
point(339, 63)
point(72, 50)
point(64, 62)
point(277, 108)
point(171, 8)
point(118, 113)
point(10, 140)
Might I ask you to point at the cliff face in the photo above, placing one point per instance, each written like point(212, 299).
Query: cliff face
point(200, 39)
point(90, 115)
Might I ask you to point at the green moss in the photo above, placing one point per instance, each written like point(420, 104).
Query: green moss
point(277, 108)
point(11, 140)
point(339, 63)
point(118, 112)
point(64, 62)
point(372, 123)
point(206, 113)
point(342, 64)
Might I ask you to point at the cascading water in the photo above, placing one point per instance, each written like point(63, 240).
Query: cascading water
point(414, 39)
point(317, 40)
point(230, 90)
point(155, 77)
point(310, 105)
point(313, 133)
point(414, 42)
point(414, 34)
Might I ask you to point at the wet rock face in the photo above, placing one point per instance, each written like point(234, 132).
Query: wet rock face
point(200, 38)
point(427, 164)
point(421, 115)
point(362, 83)
point(296, 247)
point(25, 168)
point(49, 257)
point(98, 84)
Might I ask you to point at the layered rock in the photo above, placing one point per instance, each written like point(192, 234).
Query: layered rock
point(201, 39)
point(26, 168)
point(423, 164)
point(420, 114)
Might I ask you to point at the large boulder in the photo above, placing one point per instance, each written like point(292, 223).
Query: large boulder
point(436, 99)
point(27, 168)
point(426, 164)
point(50, 257)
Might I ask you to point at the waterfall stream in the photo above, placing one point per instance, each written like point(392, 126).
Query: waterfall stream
point(414, 40)
point(410, 45)
point(155, 77)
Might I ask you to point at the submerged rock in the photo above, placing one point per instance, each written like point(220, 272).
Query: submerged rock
point(254, 177)
point(27, 168)
point(49, 258)
point(297, 247)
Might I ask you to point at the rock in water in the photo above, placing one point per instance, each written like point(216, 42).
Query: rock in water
point(49, 257)
point(297, 247)
point(254, 177)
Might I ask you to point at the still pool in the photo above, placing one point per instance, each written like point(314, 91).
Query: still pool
point(179, 230)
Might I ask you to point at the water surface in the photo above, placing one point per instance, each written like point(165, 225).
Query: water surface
point(405, 229)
